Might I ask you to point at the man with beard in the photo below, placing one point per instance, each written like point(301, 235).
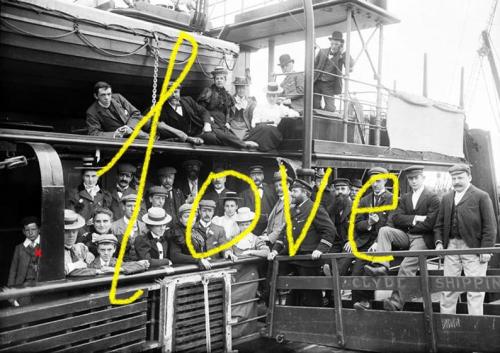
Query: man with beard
point(123, 188)
point(89, 196)
point(413, 222)
point(218, 192)
point(190, 184)
point(465, 220)
point(267, 195)
point(174, 198)
point(219, 103)
point(340, 213)
point(319, 240)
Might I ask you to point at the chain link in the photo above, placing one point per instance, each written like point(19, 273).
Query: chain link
point(155, 71)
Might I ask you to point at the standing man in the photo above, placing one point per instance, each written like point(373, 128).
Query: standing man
point(190, 185)
point(218, 192)
point(174, 198)
point(413, 222)
point(330, 61)
point(267, 196)
point(88, 196)
point(319, 240)
point(122, 188)
point(111, 115)
point(465, 220)
point(293, 84)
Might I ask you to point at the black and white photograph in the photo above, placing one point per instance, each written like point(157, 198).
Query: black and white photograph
point(252, 176)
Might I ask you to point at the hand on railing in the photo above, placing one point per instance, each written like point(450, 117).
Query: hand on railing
point(484, 258)
point(316, 254)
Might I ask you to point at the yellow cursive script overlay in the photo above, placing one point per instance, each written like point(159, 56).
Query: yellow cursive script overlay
point(355, 211)
point(192, 214)
point(154, 114)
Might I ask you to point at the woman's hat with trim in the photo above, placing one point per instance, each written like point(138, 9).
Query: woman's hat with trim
point(156, 216)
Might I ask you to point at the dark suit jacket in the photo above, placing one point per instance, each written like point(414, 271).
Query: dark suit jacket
point(191, 122)
point(146, 249)
point(269, 199)
point(102, 122)
point(214, 196)
point(82, 203)
point(364, 238)
point(340, 213)
point(320, 235)
point(427, 205)
point(118, 228)
point(183, 185)
point(19, 265)
point(476, 219)
point(173, 202)
point(116, 205)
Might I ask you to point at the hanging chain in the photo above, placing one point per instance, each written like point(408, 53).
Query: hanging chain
point(155, 70)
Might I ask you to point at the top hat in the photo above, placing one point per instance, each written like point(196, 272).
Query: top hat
point(285, 59)
point(336, 35)
point(156, 216)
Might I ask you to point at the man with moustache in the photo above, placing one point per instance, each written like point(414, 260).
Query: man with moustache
point(466, 219)
point(340, 212)
point(218, 192)
point(174, 198)
point(319, 240)
point(122, 188)
point(267, 196)
point(190, 184)
point(413, 222)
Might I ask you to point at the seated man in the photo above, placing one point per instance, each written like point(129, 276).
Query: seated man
point(24, 265)
point(77, 256)
point(119, 227)
point(105, 260)
point(111, 115)
point(413, 221)
point(154, 245)
point(340, 213)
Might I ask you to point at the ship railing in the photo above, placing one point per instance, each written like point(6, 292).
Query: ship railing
point(420, 327)
point(222, 12)
point(76, 314)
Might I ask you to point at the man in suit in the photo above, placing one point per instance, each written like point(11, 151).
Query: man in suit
point(365, 233)
point(174, 198)
point(340, 212)
point(119, 227)
point(190, 184)
point(413, 223)
point(88, 196)
point(217, 192)
point(356, 185)
point(292, 84)
point(267, 196)
point(24, 265)
point(331, 61)
point(154, 246)
point(111, 115)
point(319, 240)
point(328, 197)
point(122, 188)
point(465, 220)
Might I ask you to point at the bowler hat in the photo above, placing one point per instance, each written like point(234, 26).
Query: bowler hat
point(336, 35)
point(240, 81)
point(273, 88)
point(244, 214)
point(285, 59)
point(302, 184)
point(166, 170)
point(156, 216)
point(459, 168)
point(219, 70)
point(72, 220)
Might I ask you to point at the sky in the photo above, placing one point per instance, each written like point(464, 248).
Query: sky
point(449, 31)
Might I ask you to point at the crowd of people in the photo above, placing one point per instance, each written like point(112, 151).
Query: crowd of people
point(95, 221)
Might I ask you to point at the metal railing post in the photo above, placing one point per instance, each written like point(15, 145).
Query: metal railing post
point(378, 117)
point(347, 71)
point(430, 330)
point(308, 84)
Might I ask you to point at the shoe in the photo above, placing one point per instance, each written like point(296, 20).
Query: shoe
point(375, 271)
point(362, 305)
point(391, 305)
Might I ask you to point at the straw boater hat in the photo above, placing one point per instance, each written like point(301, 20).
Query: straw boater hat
point(231, 195)
point(73, 220)
point(244, 214)
point(273, 88)
point(285, 59)
point(156, 216)
point(336, 35)
point(240, 81)
point(219, 70)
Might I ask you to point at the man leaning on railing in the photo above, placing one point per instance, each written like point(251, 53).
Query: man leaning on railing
point(466, 220)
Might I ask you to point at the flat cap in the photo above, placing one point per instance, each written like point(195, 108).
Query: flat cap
point(157, 190)
point(166, 170)
point(377, 170)
point(459, 168)
point(185, 208)
point(302, 184)
point(357, 183)
point(191, 163)
point(414, 170)
point(277, 177)
point(256, 169)
point(126, 168)
point(129, 198)
point(341, 182)
point(105, 239)
point(208, 203)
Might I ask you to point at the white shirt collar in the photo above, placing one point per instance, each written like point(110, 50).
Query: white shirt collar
point(219, 191)
point(419, 191)
point(27, 242)
point(103, 263)
point(460, 195)
point(155, 235)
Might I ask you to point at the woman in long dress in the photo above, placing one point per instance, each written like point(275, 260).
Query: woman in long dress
point(242, 112)
point(266, 118)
